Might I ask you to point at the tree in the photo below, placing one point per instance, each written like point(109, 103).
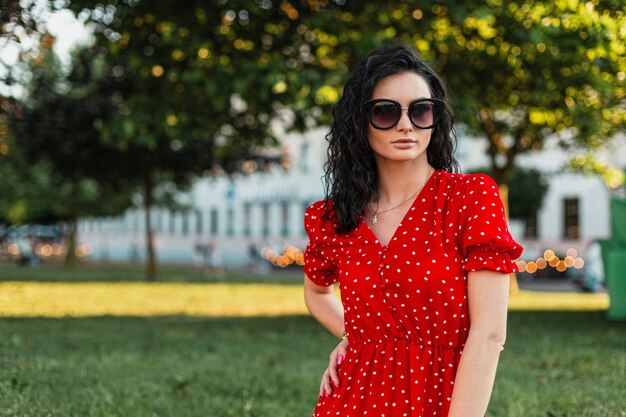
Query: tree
point(195, 98)
point(519, 72)
point(170, 119)
point(537, 70)
point(54, 160)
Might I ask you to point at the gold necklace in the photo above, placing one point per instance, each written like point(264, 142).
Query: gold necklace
point(376, 213)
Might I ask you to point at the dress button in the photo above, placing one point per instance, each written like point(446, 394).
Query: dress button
point(381, 265)
point(400, 328)
point(391, 308)
point(382, 287)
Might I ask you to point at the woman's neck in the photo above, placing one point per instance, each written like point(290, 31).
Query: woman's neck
point(399, 180)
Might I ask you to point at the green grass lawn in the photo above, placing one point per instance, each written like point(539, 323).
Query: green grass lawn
point(555, 364)
point(113, 272)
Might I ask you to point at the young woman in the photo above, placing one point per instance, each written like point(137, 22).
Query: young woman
point(419, 252)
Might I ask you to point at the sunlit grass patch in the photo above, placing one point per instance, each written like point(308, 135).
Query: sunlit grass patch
point(45, 299)
point(27, 299)
point(537, 300)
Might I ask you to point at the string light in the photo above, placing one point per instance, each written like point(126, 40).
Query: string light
point(289, 256)
point(292, 255)
point(549, 258)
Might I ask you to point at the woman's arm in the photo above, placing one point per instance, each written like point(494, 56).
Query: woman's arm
point(488, 294)
point(324, 306)
point(327, 309)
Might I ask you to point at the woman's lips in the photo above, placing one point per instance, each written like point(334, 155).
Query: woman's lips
point(404, 143)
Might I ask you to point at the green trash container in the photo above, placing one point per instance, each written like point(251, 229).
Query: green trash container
point(618, 222)
point(614, 260)
point(615, 273)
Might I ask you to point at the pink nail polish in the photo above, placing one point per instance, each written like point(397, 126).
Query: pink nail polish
point(339, 359)
point(335, 384)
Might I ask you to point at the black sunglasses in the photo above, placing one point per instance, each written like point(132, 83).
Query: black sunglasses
point(423, 113)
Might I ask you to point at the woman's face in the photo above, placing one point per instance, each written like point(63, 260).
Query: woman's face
point(403, 142)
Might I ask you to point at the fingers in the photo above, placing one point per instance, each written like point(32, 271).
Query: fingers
point(326, 389)
point(330, 378)
point(332, 372)
point(336, 359)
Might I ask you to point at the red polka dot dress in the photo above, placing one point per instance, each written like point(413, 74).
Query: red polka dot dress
point(405, 304)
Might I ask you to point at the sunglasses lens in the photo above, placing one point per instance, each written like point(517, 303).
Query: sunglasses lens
point(384, 114)
point(422, 113)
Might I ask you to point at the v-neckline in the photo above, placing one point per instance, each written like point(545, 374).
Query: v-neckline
point(404, 218)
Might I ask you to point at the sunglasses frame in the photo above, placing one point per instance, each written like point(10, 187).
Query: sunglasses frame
point(438, 106)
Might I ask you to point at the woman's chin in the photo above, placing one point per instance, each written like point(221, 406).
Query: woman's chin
point(402, 156)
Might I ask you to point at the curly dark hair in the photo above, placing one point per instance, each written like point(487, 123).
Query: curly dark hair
point(351, 175)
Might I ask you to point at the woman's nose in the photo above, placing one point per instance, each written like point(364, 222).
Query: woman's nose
point(404, 123)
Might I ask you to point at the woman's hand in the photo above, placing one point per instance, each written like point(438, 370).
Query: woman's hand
point(330, 377)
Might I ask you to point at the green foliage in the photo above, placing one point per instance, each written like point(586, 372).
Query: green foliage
point(590, 164)
point(27, 192)
point(54, 161)
point(261, 366)
point(519, 72)
point(534, 69)
point(527, 191)
point(182, 76)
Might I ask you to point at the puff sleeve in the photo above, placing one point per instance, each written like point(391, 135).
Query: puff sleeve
point(317, 266)
point(485, 240)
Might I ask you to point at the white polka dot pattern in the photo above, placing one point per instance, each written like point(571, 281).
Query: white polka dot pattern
point(405, 304)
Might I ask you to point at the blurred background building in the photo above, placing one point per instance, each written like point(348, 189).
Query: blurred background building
point(240, 218)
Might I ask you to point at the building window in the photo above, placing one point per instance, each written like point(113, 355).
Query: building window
point(304, 157)
point(284, 227)
point(571, 229)
point(172, 222)
point(159, 221)
point(230, 222)
point(198, 222)
point(530, 231)
point(247, 219)
point(185, 227)
point(214, 222)
point(136, 221)
point(265, 219)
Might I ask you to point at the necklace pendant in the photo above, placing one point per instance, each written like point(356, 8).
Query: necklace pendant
point(375, 218)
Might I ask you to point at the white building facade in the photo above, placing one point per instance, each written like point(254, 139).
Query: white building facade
point(248, 213)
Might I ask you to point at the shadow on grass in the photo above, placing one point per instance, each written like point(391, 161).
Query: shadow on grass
point(554, 364)
point(111, 272)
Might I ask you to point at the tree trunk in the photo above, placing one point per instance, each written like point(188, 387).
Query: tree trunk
point(71, 228)
point(69, 236)
point(151, 266)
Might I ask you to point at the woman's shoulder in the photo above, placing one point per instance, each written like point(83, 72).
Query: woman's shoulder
point(467, 181)
point(320, 216)
point(318, 208)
